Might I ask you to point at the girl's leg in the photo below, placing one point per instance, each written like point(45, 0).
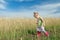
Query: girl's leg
point(45, 32)
point(38, 32)
point(38, 35)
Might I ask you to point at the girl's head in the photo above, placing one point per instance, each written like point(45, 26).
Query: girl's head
point(36, 14)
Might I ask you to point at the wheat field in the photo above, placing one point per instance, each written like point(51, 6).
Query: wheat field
point(25, 29)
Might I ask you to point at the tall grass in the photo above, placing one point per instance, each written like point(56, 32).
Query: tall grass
point(25, 29)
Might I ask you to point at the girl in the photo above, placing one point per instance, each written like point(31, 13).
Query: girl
point(40, 25)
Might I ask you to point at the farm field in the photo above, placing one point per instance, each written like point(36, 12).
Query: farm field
point(25, 29)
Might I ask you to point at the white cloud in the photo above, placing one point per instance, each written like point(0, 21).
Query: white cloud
point(25, 0)
point(47, 6)
point(2, 1)
point(44, 11)
point(47, 9)
point(2, 4)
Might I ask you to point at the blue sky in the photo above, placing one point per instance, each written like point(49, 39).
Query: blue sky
point(25, 8)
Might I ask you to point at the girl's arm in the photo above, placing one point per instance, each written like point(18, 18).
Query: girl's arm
point(43, 22)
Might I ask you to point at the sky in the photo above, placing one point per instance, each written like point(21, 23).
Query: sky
point(25, 8)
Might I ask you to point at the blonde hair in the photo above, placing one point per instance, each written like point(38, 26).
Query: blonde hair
point(36, 13)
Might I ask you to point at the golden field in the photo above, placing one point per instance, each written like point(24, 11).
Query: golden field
point(25, 29)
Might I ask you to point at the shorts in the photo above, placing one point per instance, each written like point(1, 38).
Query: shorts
point(41, 29)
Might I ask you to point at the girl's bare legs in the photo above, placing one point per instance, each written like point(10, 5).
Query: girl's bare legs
point(46, 33)
point(38, 35)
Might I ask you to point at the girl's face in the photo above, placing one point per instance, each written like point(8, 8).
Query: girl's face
point(36, 15)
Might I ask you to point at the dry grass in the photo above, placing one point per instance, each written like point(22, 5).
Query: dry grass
point(24, 29)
